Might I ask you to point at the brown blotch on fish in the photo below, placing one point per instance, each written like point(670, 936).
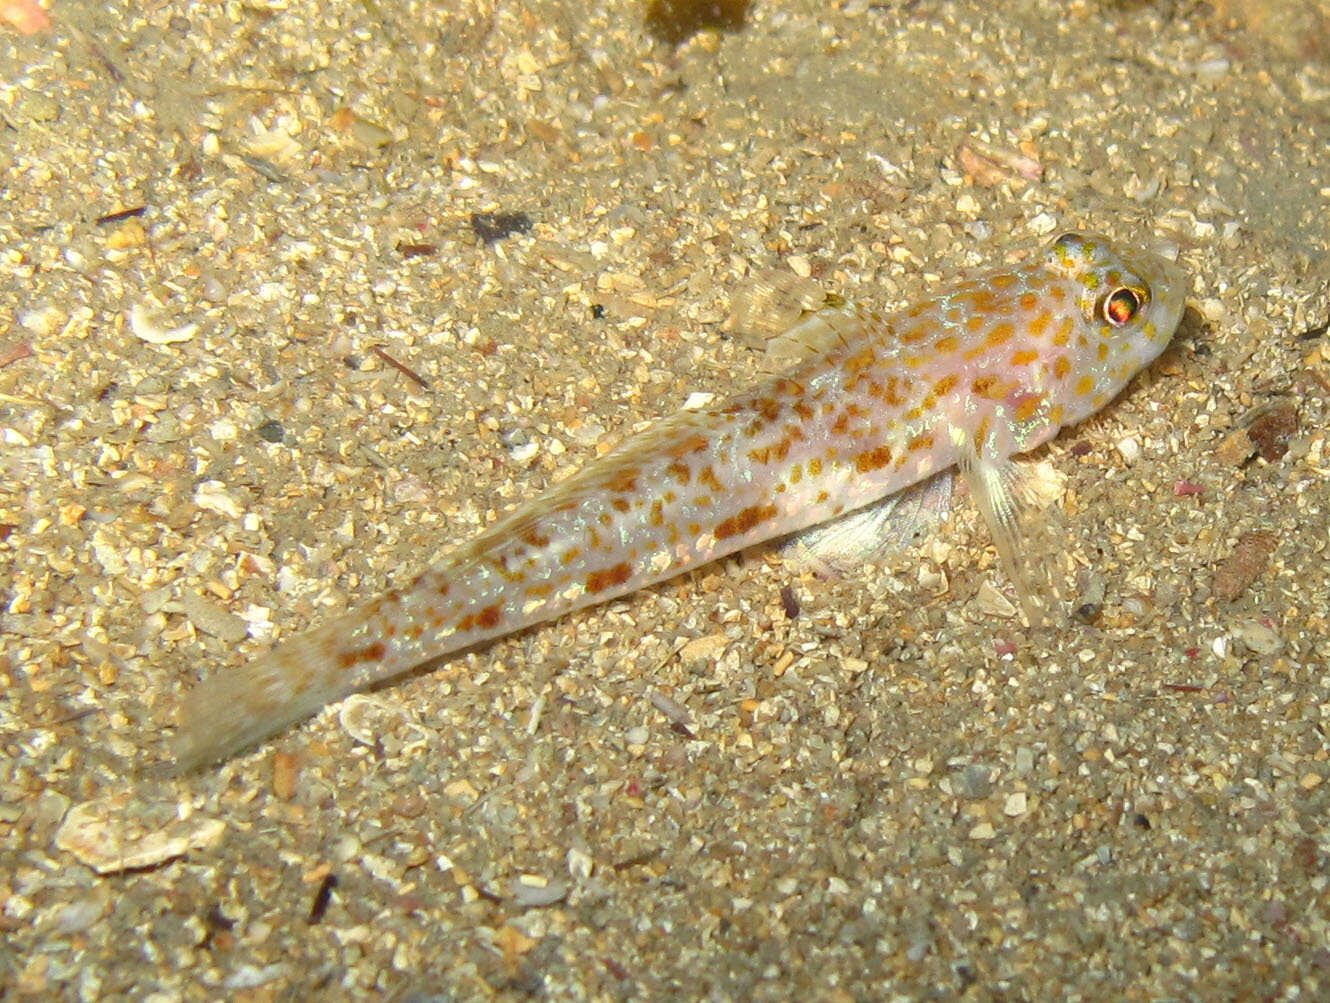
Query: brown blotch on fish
point(746, 521)
point(369, 653)
point(485, 619)
point(623, 481)
point(694, 443)
point(533, 537)
point(769, 409)
point(599, 581)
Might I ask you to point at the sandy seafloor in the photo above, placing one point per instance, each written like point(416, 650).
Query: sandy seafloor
point(878, 785)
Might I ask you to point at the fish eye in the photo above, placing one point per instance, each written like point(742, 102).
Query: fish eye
point(1121, 306)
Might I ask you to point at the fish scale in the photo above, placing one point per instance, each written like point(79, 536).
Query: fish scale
point(986, 369)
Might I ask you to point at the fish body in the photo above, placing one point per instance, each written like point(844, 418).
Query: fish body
point(986, 369)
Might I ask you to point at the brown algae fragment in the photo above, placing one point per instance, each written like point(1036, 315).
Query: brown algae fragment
point(1242, 567)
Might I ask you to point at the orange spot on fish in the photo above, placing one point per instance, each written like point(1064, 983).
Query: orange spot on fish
point(861, 360)
point(1061, 367)
point(986, 386)
point(1062, 336)
point(874, 459)
point(1024, 357)
point(1000, 334)
point(920, 442)
point(978, 299)
point(1029, 406)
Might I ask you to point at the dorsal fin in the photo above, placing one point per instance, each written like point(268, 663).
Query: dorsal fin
point(791, 318)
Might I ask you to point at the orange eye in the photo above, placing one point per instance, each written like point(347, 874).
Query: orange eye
point(1122, 305)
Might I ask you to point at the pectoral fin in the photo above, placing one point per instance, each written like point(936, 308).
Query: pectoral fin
point(1015, 499)
point(877, 532)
